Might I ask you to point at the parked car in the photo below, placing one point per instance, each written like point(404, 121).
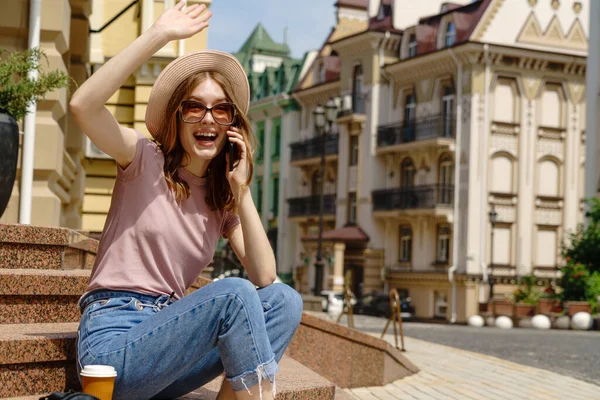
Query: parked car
point(333, 302)
point(378, 305)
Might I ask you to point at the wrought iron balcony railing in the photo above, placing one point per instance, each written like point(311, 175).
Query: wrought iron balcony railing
point(314, 147)
point(426, 196)
point(440, 126)
point(309, 205)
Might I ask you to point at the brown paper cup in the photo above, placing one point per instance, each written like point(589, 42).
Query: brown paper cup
point(99, 381)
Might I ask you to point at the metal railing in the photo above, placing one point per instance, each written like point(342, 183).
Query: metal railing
point(309, 205)
point(439, 126)
point(313, 147)
point(426, 196)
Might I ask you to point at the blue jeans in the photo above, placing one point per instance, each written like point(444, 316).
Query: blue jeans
point(163, 349)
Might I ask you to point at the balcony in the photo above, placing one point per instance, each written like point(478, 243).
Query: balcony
point(309, 206)
point(310, 150)
point(353, 111)
point(437, 199)
point(437, 130)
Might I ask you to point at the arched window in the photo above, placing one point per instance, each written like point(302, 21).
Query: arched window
point(412, 46)
point(405, 244)
point(407, 173)
point(552, 107)
point(450, 34)
point(501, 175)
point(357, 83)
point(505, 96)
point(548, 179)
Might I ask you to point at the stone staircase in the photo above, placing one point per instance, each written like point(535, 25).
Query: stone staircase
point(43, 272)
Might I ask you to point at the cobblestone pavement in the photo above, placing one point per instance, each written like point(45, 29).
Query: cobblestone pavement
point(450, 373)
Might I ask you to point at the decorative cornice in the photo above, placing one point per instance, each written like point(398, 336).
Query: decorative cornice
point(486, 20)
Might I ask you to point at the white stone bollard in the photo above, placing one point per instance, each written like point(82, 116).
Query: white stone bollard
point(476, 321)
point(489, 321)
point(581, 321)
point(562, 322)
point(503, 322)
point(541, 322)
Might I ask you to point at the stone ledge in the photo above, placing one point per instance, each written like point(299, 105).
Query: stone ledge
point(345, 356)
point(43, 282)
point(28, 234)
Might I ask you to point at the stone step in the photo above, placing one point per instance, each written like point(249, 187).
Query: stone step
point(36, 247)
point(41, 296)
point(39, 358)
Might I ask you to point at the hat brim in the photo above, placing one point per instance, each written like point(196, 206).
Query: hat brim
point(190, 64)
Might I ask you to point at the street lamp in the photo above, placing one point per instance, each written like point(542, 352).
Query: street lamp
point(323, 122)
point(493, 217)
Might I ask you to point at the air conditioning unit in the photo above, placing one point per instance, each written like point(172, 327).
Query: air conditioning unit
point(91, 151)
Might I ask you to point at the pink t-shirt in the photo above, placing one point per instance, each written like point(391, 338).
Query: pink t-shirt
point(151, 244)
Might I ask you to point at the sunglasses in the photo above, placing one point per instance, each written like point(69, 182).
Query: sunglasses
point(192, 112)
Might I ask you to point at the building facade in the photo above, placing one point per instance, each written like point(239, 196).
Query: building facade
point(272, 74)
point(501, 84)
point(59, 172)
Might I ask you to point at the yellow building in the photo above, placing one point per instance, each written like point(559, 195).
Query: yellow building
point(73, 180)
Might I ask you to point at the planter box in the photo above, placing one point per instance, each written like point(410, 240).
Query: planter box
point(573, 307)
point(524, 310)
point(503, 307)
point(546, 306)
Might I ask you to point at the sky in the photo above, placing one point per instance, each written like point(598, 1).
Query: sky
point(309, 22)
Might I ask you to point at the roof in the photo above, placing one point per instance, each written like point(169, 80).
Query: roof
point(348, 233)
point(361, 4)
point(260, 42)
point(383, 21)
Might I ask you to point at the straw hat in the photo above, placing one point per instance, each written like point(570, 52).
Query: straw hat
point(183, 67)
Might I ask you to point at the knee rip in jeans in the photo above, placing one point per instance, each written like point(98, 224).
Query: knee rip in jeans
point(261, 374)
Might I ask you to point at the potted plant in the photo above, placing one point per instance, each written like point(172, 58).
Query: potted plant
point(574, 284)
point(547, 300)
point(525, 297)
point(17, 92)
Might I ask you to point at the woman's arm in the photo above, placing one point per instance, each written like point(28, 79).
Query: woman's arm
point(250, 243)
point(248, 240)
point(88, 103)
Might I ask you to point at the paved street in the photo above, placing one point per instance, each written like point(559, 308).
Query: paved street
point(454, 373)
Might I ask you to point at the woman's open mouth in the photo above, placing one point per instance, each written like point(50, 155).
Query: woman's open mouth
point(205, 138)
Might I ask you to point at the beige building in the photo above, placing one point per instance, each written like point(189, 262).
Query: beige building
point(59, 175)
point(73, 180)
point(502, 84)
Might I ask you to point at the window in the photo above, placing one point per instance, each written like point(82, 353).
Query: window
point(314, 182)
point(276, 139)
point(443, 244)
point(260, 138)
point(548, 179)
point(352, 208)
point(407, 173)
point(447, 111)
point(357, 82)
point(353, 150)
point(275, 197)
point(501, 175)
point(409, 118)
point(446, 179)
point(405, 243)
point(450, 34)
point(412, 46)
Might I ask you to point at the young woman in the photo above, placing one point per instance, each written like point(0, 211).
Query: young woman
point(173, 198)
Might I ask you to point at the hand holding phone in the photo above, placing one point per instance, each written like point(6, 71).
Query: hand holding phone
point(234, 154)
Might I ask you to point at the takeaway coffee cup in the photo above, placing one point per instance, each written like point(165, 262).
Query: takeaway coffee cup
point(98, 380)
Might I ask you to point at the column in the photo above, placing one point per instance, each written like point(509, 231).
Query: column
point(338, 267)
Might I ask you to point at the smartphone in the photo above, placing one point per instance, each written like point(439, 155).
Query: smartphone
point(234, 154)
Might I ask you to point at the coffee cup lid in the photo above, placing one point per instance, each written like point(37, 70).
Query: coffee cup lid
point(98, 371)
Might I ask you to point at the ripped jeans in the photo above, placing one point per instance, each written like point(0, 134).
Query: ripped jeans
point(163, 349)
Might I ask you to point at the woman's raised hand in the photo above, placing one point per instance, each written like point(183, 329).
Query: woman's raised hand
point(179, 23)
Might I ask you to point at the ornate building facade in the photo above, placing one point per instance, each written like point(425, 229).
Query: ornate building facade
point(499, 83)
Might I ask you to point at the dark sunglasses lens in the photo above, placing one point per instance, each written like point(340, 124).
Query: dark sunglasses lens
point(193, 111)
point(223, 113)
